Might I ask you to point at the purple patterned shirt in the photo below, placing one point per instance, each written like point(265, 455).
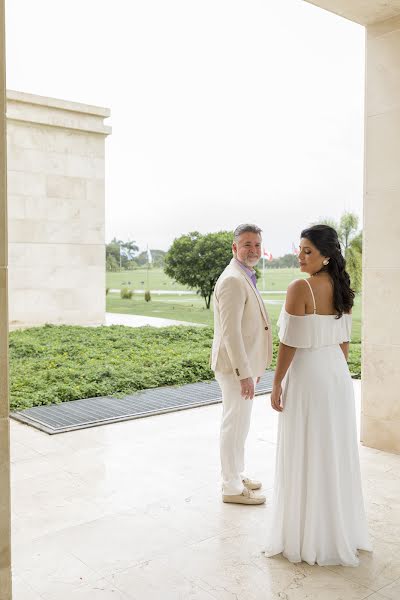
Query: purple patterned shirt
point(250, 272)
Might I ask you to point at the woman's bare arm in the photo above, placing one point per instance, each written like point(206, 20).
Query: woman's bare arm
point(294, 305)
point(345, 349)
point(285, 357)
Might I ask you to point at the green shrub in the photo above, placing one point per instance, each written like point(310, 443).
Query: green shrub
point(355, 360)
point(54, 364)
point(147, 296)
point(126, 294)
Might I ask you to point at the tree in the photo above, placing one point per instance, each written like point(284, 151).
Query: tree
point(353, 254)
point(351, 242)
point(288, 260)
point(111, 263)
point(157, 256)
point(112, 252)
point(347, 229)
point(198, 260)
point(122, 253)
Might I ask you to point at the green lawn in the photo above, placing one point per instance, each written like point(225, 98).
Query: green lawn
point(180, 308)
point(279, 279)
point(192, 308)
point(275, 279)
point(137, 280)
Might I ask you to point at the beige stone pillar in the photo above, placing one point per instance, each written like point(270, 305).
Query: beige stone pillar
point(381, 288)
point(5, 509)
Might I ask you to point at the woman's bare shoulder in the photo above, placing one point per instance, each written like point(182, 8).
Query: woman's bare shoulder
point(298, 286)
point(296, 297)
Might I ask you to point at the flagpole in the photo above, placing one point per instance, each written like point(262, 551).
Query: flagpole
point(148, 268)
point(263, 273)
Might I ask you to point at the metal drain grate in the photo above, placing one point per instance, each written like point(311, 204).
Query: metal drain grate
point(90, 412)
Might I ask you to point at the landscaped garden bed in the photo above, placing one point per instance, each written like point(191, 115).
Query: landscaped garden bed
point(53, 364)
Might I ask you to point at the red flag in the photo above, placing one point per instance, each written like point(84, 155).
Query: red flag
point(295, 250)
point(267, 255)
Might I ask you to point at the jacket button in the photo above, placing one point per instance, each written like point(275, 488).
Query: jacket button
point(266, 329)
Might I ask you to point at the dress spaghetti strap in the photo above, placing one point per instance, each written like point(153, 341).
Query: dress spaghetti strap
point(312, 294)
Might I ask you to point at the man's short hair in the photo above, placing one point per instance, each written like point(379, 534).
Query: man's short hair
point(244, 228)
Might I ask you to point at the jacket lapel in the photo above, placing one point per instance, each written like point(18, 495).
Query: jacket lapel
point(249, 281)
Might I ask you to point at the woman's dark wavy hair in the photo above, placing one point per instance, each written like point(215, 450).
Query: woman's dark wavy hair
point(326, 240)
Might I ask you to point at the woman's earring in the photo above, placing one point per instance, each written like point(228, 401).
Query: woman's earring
point(325, 262)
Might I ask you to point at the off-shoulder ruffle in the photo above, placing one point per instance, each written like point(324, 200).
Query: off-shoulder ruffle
point(313, 331)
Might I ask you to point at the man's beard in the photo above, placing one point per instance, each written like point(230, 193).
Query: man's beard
point(251, 262)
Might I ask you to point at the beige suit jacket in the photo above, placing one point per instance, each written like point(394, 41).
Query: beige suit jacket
point(242, 331)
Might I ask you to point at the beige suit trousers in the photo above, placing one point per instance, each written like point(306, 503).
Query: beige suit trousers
point(235, 426)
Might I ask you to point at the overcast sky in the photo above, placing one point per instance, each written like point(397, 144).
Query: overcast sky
point(223, 111)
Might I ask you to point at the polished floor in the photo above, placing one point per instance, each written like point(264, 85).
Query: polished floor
point(132, 511)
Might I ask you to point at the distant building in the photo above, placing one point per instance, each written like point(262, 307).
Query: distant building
point(55, 171)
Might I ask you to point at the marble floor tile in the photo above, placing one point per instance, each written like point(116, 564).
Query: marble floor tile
point(116, 542)
point(101, 589)
point(38, 441)
point(232, 567)
point(133, 511)
point(155, 579)
point(36, 466)
point(23, 591)
point(203, 515)
point(377, 569)
point(45, 504)
point(383, 520)
point(21, 452)
point(391, 591)
point(50, 569)
point(64, 514)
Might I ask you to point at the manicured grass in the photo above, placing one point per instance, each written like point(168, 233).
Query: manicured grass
point(137, 280)
point(192, 309)
point(279, 279)
point(180, 308)
point(275, 279)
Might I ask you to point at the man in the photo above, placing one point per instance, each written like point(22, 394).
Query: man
point(241, 351)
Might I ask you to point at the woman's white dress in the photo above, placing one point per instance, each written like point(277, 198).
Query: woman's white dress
point(318, 511)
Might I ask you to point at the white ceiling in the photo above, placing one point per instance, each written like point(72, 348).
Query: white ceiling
point(365, 12)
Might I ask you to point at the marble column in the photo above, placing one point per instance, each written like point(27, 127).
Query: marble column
point(381, 286)
point(5, 508)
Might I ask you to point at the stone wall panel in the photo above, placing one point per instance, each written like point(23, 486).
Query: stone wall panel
point(56, 164)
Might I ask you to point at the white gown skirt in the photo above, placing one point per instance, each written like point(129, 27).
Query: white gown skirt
point(318, 511)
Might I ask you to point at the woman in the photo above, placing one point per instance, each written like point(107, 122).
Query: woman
point(318, 512)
